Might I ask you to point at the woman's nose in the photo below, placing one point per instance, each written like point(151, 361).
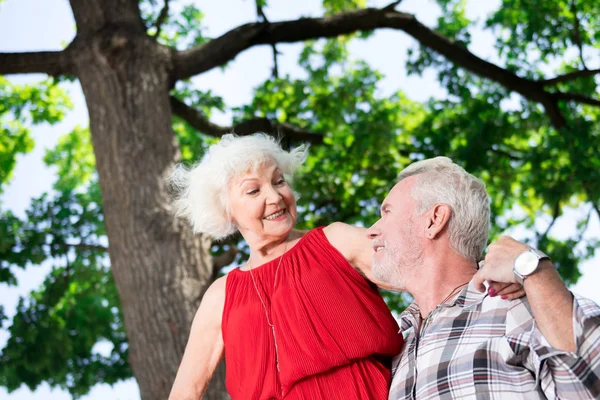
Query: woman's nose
point(273, 196)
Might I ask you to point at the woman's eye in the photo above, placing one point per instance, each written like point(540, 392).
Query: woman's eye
point(280, 181)
point(251, 192)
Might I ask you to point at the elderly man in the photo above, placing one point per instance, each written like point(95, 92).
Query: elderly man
point(461, 340)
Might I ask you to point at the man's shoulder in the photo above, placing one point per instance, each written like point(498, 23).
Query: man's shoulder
point(408, 318)
point(585, 307)
point(518, 317)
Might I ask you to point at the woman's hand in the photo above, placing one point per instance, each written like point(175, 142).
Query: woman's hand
point(497, 269)
point(507, 291)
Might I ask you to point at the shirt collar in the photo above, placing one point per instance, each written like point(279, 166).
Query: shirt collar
point(468, 296)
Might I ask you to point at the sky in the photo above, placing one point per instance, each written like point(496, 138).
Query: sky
point(52, 26)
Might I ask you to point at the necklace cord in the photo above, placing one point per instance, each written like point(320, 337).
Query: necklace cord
point(271, 325)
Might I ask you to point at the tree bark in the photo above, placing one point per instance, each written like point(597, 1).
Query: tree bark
point(160, 268)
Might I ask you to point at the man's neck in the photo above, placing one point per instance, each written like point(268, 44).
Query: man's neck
point(440, 280)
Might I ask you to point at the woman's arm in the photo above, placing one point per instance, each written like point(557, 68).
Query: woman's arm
point(204, 348)
point(356, 247)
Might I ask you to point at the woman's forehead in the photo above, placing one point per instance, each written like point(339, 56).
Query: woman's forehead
point(264, 169)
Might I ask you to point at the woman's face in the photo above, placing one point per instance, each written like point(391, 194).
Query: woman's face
point(262, 203)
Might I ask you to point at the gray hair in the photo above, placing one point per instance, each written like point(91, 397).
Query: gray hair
point(201, 192)
point(442, 181)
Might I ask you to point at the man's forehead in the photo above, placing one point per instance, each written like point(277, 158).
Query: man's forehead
point(403, 187)
point(399, 193)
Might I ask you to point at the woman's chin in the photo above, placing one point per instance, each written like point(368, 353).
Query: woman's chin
point(277, 228)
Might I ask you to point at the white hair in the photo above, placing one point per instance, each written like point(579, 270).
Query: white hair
point(201, 191)
point(442, 181)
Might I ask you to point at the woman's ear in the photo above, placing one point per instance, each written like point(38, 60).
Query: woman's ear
point(438, 219)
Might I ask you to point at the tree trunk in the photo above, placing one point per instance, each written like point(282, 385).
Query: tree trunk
point(160, 268)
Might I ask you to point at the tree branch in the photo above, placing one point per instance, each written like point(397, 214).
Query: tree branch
point(260, 13)
point(53, 63)
point(553, 110)
point(199, 122)
point(593, 201)
point(392, 6)
point(577, 33)
point(585, 226)
point(579, 98)
point(505, 154)
point(162, 17)
point(196, 119)
point(81, 246)
point(67, 270)
point(223, 49)
point(597, 209)
point(275, 64)
point(228, 46)
point(555, 215)
point(570, 76)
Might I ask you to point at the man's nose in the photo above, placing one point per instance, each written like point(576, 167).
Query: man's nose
point(373, 232)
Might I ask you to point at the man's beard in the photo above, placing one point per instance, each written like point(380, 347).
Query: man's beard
point(399, 262)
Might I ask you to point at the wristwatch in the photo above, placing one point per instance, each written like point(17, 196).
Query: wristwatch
point(527, 263)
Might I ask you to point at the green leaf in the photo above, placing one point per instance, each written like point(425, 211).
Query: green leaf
point(21, 107)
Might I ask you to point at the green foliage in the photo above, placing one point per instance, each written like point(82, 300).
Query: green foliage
point(52, 227)
point(180, 30)
point(336, 6)
point(3, 316)
point(192, 144)
point(74, 157)
point(531, 33)
point(53, 334)
point(532, 171)
point(22, 106)
point(77, 306)
point(15, 238)
point(453, 24)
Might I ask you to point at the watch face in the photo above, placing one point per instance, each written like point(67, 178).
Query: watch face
point(526, 263)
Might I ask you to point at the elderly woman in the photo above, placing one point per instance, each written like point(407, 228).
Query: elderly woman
point(297, 320)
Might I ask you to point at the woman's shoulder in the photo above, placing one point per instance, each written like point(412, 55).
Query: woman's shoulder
point(331, 231)
point(351, 241)
point(336, 227)
point(212, 304)
point(215, 294)
point(340, 232)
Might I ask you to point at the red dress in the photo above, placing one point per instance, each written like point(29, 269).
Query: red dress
point(335, 335)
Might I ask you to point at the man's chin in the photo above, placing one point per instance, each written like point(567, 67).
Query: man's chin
point(382, 272)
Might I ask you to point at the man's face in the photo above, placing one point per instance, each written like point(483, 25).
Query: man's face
point(397, 236)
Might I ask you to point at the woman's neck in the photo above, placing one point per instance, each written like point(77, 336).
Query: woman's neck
point(263, 250)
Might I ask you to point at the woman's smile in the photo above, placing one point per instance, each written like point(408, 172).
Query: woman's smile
point(276, 216)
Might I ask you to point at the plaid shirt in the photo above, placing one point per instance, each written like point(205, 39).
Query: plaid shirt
point(483, 347)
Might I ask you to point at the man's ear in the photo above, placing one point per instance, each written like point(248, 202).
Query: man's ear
point(437, 220)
